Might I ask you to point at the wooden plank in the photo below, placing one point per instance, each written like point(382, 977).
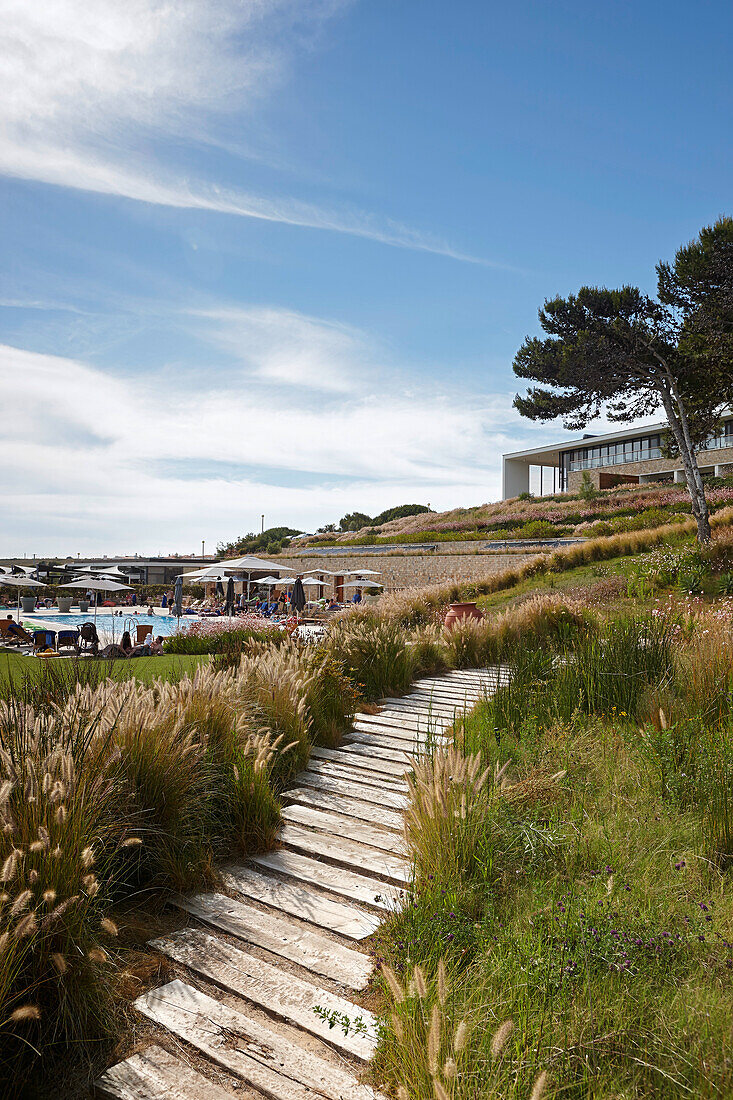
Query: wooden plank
point(156, 1074)
point(300, 902)
point(353, 807)
point(378, 754)
point(424, 704)
point(382, 760)
point(254, 1053)
point(423, 720)
point(280, 936)
point(276, 991)
point(458, 696)
point(387, 798)
point(401, 718)
point(387, 738)
point(354, 774)
point(347, 884)
point(395, 732)
point(352, 854)
point(340, 825)
point(390, 771)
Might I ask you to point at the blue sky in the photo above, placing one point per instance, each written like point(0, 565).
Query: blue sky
point(268, 256)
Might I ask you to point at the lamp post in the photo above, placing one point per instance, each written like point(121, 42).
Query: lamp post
point(263, 523)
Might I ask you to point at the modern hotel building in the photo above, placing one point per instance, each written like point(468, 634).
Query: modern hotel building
point(633, 456)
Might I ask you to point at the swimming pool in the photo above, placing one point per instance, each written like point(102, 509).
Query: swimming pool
point(111, 626)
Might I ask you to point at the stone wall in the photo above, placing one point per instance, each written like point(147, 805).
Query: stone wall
point(404, 570)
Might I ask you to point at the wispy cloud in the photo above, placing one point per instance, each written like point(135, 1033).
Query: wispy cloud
point(88, 88)
point(93, 461)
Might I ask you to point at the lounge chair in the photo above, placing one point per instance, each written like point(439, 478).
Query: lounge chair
point(141, 632)
point(88, 639)
point(67, 639)
point(12, 633)
point(44, 640)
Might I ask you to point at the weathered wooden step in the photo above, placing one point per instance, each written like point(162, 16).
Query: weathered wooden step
point(353, 854)
point(340, 825)
point(301, 902)
point(254, 1053)
point(346, 884)
point(393, 736)
point(426, 706)
point(353, 807)
point(388, 740)
point(156, 1074)
point(425, 721)
point(376, 753)
point(280, 936)
point(392, 739)
point(276, 991)
point(354, 774)
point(386, 761)
point(386, 797)
point(403, 719)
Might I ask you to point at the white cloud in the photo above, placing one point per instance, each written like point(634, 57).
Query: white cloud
point(94, 462)
point(282, 347)
point(88, 88)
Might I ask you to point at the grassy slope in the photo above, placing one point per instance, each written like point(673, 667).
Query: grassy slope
point(146, 669)
point(608, 851)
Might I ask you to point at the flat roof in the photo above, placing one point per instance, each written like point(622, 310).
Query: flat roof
point(554, 449)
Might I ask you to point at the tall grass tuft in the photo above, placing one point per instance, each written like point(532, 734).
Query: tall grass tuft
point(375, 654)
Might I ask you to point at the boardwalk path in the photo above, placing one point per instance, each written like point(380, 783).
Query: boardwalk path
point(286, 937)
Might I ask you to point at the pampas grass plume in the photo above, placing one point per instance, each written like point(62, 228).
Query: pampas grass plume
point(499, 1040)
point(538, 1090)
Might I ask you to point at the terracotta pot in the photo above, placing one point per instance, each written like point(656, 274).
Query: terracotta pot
point(457, 612)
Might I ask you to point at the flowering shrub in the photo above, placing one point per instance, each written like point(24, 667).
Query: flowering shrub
point(222, 636)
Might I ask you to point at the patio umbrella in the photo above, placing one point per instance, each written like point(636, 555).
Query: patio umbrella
point(230, 597)
point(19, 582)
point(297, 599)
point(314, 580)
point(363, 573)
point(178, 598)
point(96, 585)
point(362, 584)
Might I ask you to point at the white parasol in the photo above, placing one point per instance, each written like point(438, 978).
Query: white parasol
point(19, 582)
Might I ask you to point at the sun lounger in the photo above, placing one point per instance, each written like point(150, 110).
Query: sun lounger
point(141, 632)
point(11, 633)
point(44, 640)
point(67, 639)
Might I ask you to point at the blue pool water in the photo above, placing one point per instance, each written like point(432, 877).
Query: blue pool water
point(110, 625)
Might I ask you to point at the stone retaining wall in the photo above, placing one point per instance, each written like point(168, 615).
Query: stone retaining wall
point(405, 570)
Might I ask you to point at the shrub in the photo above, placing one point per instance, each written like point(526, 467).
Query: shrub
point(219, 636)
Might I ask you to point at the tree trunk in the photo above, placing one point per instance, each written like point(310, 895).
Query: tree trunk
point(677, 420)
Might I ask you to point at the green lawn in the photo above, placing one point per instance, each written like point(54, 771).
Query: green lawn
point(146, 669)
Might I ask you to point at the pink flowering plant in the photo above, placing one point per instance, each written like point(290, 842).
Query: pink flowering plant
point(223, 635)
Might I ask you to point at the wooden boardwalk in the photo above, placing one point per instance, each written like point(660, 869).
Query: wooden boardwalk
point(286, 938)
